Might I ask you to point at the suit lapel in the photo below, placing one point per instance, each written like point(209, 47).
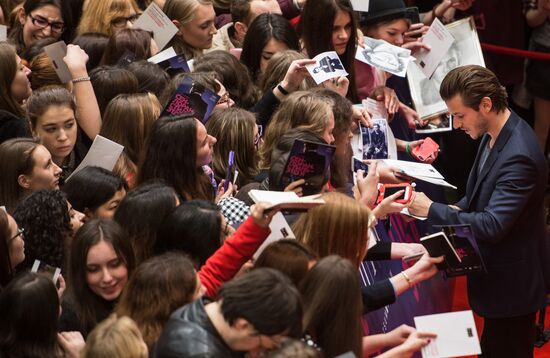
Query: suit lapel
point(501, 141)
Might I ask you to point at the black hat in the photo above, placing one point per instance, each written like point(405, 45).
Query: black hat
point(384, 10)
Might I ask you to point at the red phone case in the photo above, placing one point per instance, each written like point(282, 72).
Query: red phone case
point(428, 149)
point(403, 186)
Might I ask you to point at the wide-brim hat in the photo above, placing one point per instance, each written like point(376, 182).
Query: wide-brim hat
point(385, 10)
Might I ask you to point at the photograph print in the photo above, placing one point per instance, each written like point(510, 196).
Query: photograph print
point(375, 140)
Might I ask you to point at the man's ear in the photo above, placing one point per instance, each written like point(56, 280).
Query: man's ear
point(486, 105)
point(24, 182)
point(240, 30)
point(178, 25)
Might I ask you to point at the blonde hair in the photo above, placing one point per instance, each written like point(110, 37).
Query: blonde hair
point(301, 109)
point(339, 227)
point(98, 15)
point(234, 130)
point(128, 120)
point(276, 69)
point(115, 337)
point(184, 12)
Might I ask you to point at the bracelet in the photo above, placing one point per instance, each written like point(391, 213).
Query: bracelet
point(409, 281)
point(81, 79)
point(408, 148)
point(282, 89)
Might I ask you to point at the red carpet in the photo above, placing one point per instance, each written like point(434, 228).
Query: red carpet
point(460, 303)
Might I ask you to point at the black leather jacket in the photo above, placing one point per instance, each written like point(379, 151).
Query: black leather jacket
point(190, 333)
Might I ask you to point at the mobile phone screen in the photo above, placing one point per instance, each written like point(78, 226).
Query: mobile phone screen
point(357, 164)
point(389, 191)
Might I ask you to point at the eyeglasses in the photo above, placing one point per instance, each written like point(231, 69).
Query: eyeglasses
point(20, 232)
point(42, 23)
point(224, 99)
point(258, 137)
point(120, 22)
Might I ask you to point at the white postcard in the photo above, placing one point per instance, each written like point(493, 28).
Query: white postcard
point(440, 40)
point(56, 52)
point(279, 230)
point(385, 56)
point(360, 5)
point(375, 140)
point(163, 55)
point(103, 153)
point(377, 109)
point(153, 19)
point(3, 32)
point(415, 170)
point(327, 65)
point(456, 334)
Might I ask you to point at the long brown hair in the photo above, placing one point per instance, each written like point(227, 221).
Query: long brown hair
point(171, 155)
point(99, 14)
point(128, 120)
point(168, 280)
point(234, 130)
point(339, 227)
point(300, 109)
point(7, 74)
point(333, 306)
point(16, 158)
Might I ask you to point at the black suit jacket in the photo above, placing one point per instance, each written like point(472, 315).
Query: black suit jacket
point(504, 206)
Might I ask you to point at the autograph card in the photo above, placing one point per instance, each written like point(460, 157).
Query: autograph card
point(360, 5)
point(56, 52)
point(440, 40)
point(385, 56)
point(153, 19)
point(327, 65)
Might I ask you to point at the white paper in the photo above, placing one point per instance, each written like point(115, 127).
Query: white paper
point(3, 32)
point(440, 41)
point(191, 64)
point(327, 65)
point(385, 56)
point(456, 334)
point(103, 153)
point(406, 212)
point(436, 181)
point(279, 230)
point(163, 55)
point(360, 5)
point(272, 197)
point(415, 170)
point(153, 19)
point(377, 109)
point(56, 52)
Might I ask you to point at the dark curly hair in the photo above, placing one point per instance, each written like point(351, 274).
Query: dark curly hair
point(44, 215)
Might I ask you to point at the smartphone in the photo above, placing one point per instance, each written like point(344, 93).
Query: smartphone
point(386, 190)
point(46, 270)
point(414, 15)
point(359, 165)
point(229, 172)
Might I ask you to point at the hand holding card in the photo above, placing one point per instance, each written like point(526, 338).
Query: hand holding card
point(327, 65)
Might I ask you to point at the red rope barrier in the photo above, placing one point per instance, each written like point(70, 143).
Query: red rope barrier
point(516, 52)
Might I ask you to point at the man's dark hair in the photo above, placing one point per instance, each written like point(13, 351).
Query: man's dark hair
point(267, 299)
point(240, 11)
point(473, 83)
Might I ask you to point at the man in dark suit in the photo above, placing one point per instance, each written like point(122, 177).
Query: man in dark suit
point(504, 206)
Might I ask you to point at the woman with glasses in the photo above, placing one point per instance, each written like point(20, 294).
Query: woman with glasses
point(235, 130)
point(12, 247)
point(108, 16)
point(37, 19)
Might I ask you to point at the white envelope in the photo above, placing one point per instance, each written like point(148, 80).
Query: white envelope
point(456, 334)
point(153, 19)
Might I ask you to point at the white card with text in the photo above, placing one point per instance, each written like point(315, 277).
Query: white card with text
point(440, 41)
point(56, 52)
point(327, 65)
point(153, 19)
point(103, 153)
point(456, 334)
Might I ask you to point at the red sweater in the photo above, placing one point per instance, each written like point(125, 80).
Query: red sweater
point(228, 259)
